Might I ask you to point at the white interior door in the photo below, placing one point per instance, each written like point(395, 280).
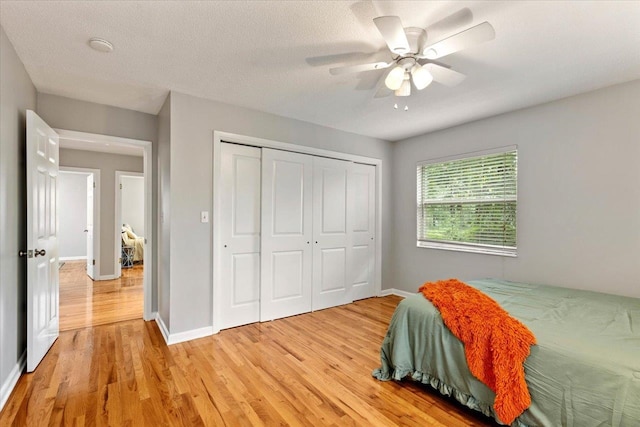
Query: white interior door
point(240, 234)
point(362, 198)
point(42, 239)
point(331, 233)
point(90, 228)
point(286, 234)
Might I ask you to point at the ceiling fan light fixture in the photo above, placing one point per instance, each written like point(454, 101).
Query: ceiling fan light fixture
point(421, 76)
point(405, 89)
point(395, 78)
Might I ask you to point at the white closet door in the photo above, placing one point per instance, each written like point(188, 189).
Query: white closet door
point(331, 233)
point(362, 198)
point(240, 235)
point(286, 234)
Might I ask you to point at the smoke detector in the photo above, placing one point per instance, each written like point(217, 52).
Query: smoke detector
point(101, 45)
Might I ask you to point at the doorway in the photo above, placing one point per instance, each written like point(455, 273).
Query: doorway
point(130, 226)
point(79, 221)
point(98, 290)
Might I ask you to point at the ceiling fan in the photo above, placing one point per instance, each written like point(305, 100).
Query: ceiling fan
point(412, 55)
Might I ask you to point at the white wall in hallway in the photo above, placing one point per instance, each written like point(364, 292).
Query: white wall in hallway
point(73, 214)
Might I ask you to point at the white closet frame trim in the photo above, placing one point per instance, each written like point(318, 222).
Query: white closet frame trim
point(220, 137)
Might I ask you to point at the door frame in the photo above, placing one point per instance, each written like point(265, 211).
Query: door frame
point(147, 146)
point(117, 266)
point(220, 137)
point(96, 211)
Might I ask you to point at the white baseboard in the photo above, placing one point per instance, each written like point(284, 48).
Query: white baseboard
point(182, 336)
point(72, 258)
point(154, 316)
point(106, 277)
point(190, 335)
point(12, 379)
point(394, 291)
point(163, 329)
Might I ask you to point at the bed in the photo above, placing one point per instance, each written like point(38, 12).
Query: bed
point(584, 370)
point(130, 239)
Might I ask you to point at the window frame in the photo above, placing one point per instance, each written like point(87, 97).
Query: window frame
point(465, 246)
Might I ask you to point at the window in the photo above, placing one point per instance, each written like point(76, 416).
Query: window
point(469, 204)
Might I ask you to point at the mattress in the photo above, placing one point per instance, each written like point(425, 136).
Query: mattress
point(584, 370)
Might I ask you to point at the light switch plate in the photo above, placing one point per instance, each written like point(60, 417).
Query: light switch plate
point(204, 216)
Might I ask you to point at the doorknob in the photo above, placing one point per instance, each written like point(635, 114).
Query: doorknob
point(40, 252)
point(23, 253)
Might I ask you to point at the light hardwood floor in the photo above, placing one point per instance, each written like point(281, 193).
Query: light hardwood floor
point(84, 302)
point(313, 369)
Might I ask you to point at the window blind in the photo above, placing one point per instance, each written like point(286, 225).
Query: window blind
point(469, 203)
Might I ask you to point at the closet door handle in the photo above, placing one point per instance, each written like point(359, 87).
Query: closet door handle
point(40, 252)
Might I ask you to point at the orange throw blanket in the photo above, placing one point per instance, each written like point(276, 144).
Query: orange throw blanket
point(496, 345)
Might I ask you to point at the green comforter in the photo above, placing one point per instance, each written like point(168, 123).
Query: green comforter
point(584, 371)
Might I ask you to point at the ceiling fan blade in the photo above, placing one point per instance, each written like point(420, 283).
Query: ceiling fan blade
point(382, 90)
point(358, 68)
point(393, 33)
point(444, 75)
point(464, 39)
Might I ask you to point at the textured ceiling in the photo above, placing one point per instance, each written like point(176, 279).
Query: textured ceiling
point(274, 56)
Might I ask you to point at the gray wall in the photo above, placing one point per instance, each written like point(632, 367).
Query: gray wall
point(193, 121)
point(132, 206)
point(108, 165)
point(70, 114)
point(578, 195)
point(72, 193)
point(17, 95)
point(163, 219)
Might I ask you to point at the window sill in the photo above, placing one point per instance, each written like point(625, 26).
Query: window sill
point(472, 249)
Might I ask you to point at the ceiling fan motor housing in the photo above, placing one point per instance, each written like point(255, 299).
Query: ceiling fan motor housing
point(407, 62)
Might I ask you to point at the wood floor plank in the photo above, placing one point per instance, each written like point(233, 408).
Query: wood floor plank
point(308, 370)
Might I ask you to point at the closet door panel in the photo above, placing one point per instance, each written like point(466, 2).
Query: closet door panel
point(246, 273)
point(360, 264)
point(240, 232)
point(288, 269)
point(332, 187)
point(331, 233)
point(286, 234)
point(288, 204)
point(333, 265)
point(362, 211)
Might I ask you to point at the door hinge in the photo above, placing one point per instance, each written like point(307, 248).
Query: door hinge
point(119, 260)
point(94, 184)
point(94, 262)
point(121, 186)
